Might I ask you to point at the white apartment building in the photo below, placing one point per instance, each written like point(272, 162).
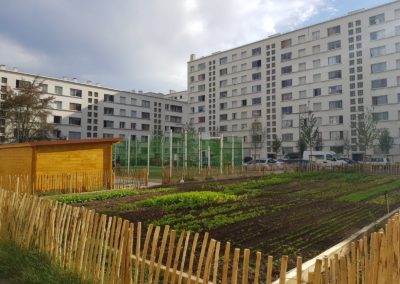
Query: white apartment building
point(88, 110)
point(337, 69)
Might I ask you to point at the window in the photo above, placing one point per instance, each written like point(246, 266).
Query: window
point(377, 51)
point(76, 93)
point(3, 80)
point(223, 105)
point(58, 105)
point(133, 113)
point(256, 51)
point(243, 54)
point(145, 115)
point(379, 100)
point(256, 64)
point(302, 94)
point(221, 95)
point(286, 83)
point(317, 106)
point(223, 60)
point(334, 60)
point(316, 49)
point(202, 77)
point(58, 90)
point(202, 98)
point(336, 135)
point(73, 135)
point(337, 74)
point(234, 57)
point(302, 66)
point(256, 101)
point(397, 30)
point(287, 110)
point(222, 72)
point(317, 92)
point(378, 67)
point(243, 66)
point(108, 123)
point(398, 64)
point(201, 66)
point(201, 88)
point(201, 109)
point(108, 111)
point(286, 70)
point(122, 100)
point(108, 98)
point(378, 19)
point(286, 43)
point(334, 45)
point(256, 89)
point(145, 103)
point(302, 52)
point(301, 38)
point(316, 78)
point(287, 97)
point(316, 63)
point(335, 105)
point(244, 102)
point(337, 119)
point(202, 119)
point(332, 90)
point(223, 117)
point(377, 35)
point(380, 116)
point(244, 78)
point(286, 56)
point(243, 114)
point(122, 125)
point(243, 90)
point(234, 68)
point(287, 137)
point(302, 80)
point(315, 35)
point(57, 119)
point(75, 107)
point(379, 83)
point(256, 76)
point(74, 120)
point(256, 113)
point(287, 123)
point(333, 30)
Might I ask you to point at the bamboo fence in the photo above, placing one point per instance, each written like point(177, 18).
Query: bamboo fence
point(103, 249)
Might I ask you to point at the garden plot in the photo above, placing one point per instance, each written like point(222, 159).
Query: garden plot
point(291, 213)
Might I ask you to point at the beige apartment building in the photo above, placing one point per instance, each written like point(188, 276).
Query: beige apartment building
point(88, 110)
point(337, 69)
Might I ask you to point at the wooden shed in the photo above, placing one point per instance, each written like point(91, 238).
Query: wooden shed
point(64, 166)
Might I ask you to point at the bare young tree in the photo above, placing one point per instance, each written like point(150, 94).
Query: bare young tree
point(25, 111)
point(366, 130)
point(347, 144)
point(385, 141)
point(257, 137)
point(309, 132)
point(276, 145)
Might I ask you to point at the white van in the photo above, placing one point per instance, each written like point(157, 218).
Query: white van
point(322, 157)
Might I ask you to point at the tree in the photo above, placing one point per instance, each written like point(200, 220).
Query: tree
point(25, 111)
point(385, 141)
point(366, 131)
point(276, 145)
point(309, 132)
point(302, 146)
point(257, 137)
point(347, 144)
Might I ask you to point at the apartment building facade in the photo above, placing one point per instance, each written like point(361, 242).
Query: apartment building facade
point(338, 70)
point(88, 110)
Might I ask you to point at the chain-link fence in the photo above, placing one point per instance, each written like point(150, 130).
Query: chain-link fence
point(178, 151)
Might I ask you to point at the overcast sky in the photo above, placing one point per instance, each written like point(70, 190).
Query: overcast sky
point(143, 45)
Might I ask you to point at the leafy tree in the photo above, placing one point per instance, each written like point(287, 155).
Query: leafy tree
point(309, 132)
point(366, 130)
point(257, 137)
point(276, 145)
point(385, 141)
point(25, 110)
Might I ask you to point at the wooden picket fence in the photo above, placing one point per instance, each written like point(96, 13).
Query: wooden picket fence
point(389, 169)
point(104, 249)
point(133, 178)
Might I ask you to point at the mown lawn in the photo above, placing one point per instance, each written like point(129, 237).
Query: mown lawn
point(289, 213)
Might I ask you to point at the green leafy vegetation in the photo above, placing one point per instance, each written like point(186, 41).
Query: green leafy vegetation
point(372, 192)
point(187, 200)
point(103, 195)
point(19, 265)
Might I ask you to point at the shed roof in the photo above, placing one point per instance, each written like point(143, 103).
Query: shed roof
point(62, 142)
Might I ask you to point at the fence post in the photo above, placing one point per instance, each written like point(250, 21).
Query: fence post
point(200, 160)
point(148, 156)
point(233, 154)
point(170, 154)
point(208, 157)
point(185, 153)
point(129, 153)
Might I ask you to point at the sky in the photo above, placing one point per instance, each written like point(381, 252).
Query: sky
point(144, 44)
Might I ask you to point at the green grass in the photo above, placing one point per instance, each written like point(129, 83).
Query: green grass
point(187, 200)
point(103, 195)
point(372, 192)
point(18, 265)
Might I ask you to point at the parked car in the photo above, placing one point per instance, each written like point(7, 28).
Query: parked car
point(273, 161)
point(291, 156)
point(323, 157)
point(295, 161)
point(347, 160)
point(378, 161)
point(247, 159)
point(258, 162)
